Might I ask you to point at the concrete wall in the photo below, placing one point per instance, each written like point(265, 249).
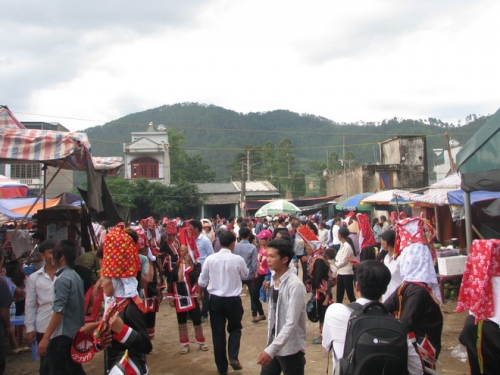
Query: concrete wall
point(404, 159)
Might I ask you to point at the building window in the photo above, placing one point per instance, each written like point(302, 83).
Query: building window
point(145, 168)
point(25, 170)
point(386, 180)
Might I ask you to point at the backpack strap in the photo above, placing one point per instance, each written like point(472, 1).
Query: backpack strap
point(400, 300)
point(354, 306)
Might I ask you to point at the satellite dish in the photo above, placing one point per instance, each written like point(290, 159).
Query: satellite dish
point(454, 143)
point(161, 128)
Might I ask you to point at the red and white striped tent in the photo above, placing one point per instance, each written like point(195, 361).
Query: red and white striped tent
point(68, 150)
point(12, 189)
point(20, 145)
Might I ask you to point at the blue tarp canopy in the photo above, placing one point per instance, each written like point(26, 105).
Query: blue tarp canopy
point(456, 197)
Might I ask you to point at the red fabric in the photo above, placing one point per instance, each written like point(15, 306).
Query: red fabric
point(7, 192)
point(186, 237)
point(365, 231)
point(171, 227)
point(476, 291)
point(425, 235)
point(306, 233)
point(142, 240)
point(120, 256)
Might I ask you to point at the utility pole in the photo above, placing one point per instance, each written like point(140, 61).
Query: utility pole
point(343, 158)
point(243, 188)
point(450, 156)
point(248, 165)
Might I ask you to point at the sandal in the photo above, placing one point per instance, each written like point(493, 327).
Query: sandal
point(257, 319)
point(203, 347)
point(17, 351)
point(184, 349)
point(316, 341)
point(26, 349)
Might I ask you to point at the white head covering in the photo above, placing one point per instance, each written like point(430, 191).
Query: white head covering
point(416, 265)
point(125, 288)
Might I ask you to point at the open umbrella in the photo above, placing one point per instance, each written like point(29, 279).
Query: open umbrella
point(384, 198)
point(279, 206)
point(354, 203)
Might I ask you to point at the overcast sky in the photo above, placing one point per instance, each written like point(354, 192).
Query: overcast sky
point(89, 62)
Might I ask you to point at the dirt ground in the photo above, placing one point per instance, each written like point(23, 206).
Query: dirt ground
point(165, 358)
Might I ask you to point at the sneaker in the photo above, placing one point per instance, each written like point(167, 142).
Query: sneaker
point(204, 319)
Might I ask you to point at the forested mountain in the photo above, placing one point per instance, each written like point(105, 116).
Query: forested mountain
point(218, 135)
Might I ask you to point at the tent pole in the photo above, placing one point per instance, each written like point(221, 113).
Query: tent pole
point(44, 169)
point(33, 205)
point(468, 220)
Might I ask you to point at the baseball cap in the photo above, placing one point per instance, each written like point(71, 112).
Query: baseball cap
point(82, 349)
point(264, 234)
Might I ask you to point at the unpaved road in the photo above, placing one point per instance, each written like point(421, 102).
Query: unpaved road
point(166, 359)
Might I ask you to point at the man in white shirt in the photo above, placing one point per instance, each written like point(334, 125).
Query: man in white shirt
point(372, 280)
point(322, 234)
point(221, 275)
point(39, 300)
point(333, 234)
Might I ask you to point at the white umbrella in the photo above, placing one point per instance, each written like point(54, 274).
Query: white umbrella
point(277, 207)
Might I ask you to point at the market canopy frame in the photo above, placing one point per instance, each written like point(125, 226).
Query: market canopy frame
point(63, 150)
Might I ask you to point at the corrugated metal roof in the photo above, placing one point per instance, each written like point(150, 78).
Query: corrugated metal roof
point(217, 188)
point(222, 199)
point(256, 186)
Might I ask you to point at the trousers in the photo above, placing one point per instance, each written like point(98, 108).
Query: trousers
point(225, 310)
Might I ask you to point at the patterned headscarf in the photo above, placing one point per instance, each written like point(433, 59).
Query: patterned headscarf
point(366, 237)
point(308, 236)
point(416, 265)
point(171, 227)
point(120, 255)
point(476, 291)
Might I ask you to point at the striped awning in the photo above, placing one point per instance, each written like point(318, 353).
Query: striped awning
point(436, 194)
point(20, 145)
point(435, 197)
point(7, 119)
point(52, 148)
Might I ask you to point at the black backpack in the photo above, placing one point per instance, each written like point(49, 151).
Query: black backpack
point(375, 342)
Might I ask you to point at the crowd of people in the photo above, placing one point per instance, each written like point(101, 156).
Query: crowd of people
point(200, 267)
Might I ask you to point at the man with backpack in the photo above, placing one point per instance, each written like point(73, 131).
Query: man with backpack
point(373, 341)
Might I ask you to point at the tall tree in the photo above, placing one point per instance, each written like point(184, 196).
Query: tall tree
point(184, 167)
point(298, 184)
point(122, 190)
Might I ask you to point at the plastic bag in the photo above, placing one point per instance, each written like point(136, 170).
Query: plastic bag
point(459, 352)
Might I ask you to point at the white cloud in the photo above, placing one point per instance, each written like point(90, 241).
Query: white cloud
point(347, 61)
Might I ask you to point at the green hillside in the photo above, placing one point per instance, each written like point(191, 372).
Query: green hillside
point(218, 134)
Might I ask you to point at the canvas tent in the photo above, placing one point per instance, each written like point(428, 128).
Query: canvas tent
point(66, 150)
point(12, 189)
point(479, 160)
point(479, 164)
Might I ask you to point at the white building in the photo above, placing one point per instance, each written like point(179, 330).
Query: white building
point(147, 156)
point(442, 165)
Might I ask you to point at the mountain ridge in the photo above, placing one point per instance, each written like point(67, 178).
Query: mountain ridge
point(218, 134)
